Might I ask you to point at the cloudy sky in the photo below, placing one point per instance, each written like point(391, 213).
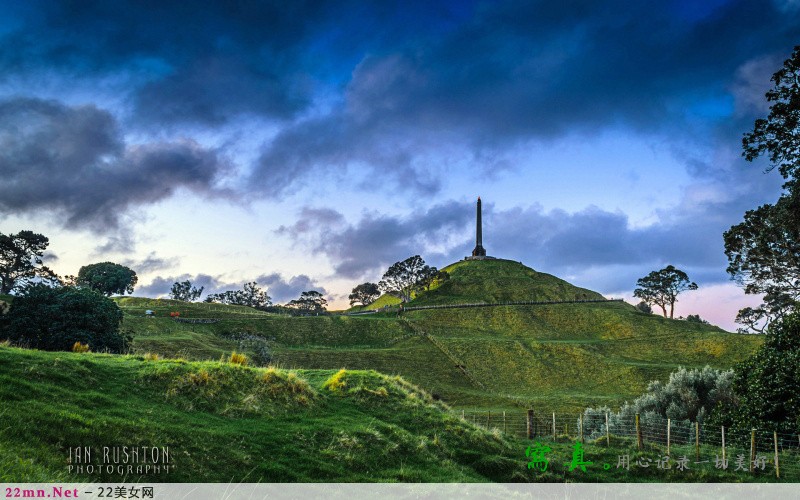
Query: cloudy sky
point(309, 145)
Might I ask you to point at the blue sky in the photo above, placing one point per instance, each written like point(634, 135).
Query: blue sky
point(311, 144)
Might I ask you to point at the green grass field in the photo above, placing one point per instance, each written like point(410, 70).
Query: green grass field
point(393, 415)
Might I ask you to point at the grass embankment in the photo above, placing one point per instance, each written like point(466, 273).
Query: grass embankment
point(224, 422)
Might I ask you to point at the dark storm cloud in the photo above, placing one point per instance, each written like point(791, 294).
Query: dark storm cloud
point(73, 162)
point(520, 71)
point(376, 241)
point(282, 290)
point(161, 285)
point(150, 264)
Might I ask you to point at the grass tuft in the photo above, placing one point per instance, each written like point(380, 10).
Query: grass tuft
point(238, 359)
point(79, 347)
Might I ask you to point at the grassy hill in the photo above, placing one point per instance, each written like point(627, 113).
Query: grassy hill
point(560, 357)
point(224, 422)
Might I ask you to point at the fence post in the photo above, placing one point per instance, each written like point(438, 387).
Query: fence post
point(639, 442)
point(777, 466)
point(697, 440)
point(723, 443)
point(581, 424)
point(668, 431)
point(752, 448)
point(530, 424)
point(608, 436)
point(462, 414)
point(554, 426)
point(504, 422)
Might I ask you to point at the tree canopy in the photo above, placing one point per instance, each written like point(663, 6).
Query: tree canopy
point(403, 277)
point(364, 294)
point(310, 302)
point(107, 278)
point(778, 135)
point(662, 287)
point(185, 291)
point(53, 319)
point(764, 250)
point(250, 295)
point(21, 259)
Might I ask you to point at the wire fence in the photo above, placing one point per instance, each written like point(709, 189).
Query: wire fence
point(756, 450)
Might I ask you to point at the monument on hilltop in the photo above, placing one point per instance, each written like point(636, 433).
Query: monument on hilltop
point(479, 253)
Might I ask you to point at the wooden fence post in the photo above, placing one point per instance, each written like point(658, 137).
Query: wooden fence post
point(697, 440)
point(777, 466)
point(554, 426)
point(580, 420)
point(530, 424)
point(668, 432)
point(723, 443)
point(639, 441)
point(608, 436)
point(752, 448)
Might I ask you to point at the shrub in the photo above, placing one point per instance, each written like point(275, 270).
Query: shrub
point(766, 386)
point(688, 396)
point(4, 307)
point(78, 347)
point(238, 359)
point(54, 319)
point(151, 357)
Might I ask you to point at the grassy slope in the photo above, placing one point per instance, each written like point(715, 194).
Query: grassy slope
point(559, 358)
point(226, 423)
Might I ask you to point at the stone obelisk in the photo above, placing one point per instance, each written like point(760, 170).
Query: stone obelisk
point(479, 250)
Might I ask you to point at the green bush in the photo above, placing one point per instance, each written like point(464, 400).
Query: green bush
point(54, 319)
point(689, 396)
point(767, 385)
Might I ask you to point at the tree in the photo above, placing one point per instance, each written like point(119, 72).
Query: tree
point(107, 278)
point(185, 291)
point(764, 250)
point(695, 318)
point(767, 385)
point(311, 302)
point(250, 295)
point(53, 319)
point(403, 277)
point(432, 276)
point(662, 288)
point(364, 294)
point(21, 260)
point(779, 134)
point(644, 307)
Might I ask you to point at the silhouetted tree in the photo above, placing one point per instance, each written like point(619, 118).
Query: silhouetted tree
point(185, 291)
point(364, 294)
point(403, 277)
point(107, 278)
point(21, 259)
point(662, 288)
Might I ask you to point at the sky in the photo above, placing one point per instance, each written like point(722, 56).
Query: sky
point(310, 145)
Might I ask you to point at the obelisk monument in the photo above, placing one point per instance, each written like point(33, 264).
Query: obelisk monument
point(479, 250)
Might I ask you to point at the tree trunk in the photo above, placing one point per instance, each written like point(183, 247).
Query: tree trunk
point(663, 308)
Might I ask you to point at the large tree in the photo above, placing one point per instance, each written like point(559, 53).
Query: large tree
point(185, 291)
point(764, 250)
point(250, 295)
point(21, 259)
point(403, 277)
point(778, 135)
point(107, 278)
point(662, 287)
point(53, 319)
point(364, 294)
point(764, 257)
point(310, 302)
